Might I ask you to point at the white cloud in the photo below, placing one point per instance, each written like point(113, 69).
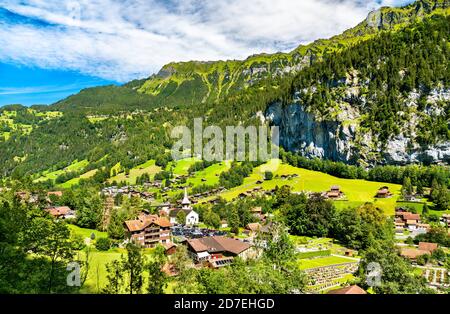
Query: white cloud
point(122, 40)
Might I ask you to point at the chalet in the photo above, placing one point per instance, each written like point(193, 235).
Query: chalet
point(412, 253)
point(410, 221)
point(170, 248)
point(258, 213)
point(61, 212)
point(244, 195)
point(334, 193)
point(148, 230)
point(211, 248)
point(348, 290)
point(384, 192)
point(253, 229)
point(23, 196)
point(424, 248)
point(429, 247)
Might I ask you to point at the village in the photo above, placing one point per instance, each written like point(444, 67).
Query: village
point(330, 267)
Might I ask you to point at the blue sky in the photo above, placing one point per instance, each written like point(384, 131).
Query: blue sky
point(31, 85)
point(53, 48)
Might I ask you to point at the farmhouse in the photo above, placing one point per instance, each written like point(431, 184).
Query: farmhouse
point(334, 193)
point(423, 249)
point(253, 229)
point(61, 212)
point(384, 192)
point(410, 221)
point(218, 247)
point(258, 213)
point(148, 230)
point(429, 247)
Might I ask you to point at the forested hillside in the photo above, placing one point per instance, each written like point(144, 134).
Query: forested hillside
point(384, 83)
point(385, 98)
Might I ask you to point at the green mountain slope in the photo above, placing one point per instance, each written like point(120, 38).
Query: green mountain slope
point(185, 83)
point(344, 95)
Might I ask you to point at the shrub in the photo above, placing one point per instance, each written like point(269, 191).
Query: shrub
point(77, 242)
point(268, 175)
point(103, 244)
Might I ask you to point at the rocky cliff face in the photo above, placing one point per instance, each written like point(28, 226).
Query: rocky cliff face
point(341, 139)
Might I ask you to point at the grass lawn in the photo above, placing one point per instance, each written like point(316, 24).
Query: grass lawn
point(86, 233)
point(148, 167)
point(97, 275)
point(323, 261)
point(96, 278)
point(357, 191)
point(210, 174)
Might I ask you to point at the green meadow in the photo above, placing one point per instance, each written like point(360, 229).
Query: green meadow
point(357, 192)
point(210, 175)
point(52, 175)
point(75, 181)
point(86, 233)
point(97, 275)
point(149, 167)
point(181, 167)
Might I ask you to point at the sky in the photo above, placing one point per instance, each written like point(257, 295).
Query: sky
point(53, 48)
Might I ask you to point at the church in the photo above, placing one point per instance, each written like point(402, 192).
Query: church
point(192, 218)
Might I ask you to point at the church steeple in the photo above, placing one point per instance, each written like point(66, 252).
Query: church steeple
point(186, 202)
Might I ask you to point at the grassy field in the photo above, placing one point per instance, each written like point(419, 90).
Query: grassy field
point(97, 275)
point(52, 175)
point(357, 192)
point(181, 167)
point(86, 233)
point(75, 181)
point(210, 175)
point(323, 261)
point(96, 279)
point(148, 167)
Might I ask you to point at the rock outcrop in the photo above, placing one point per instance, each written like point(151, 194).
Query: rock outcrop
point(341, 139)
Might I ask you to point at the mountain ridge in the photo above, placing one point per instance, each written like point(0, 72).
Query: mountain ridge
point(362, 105)
point(243, 73)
